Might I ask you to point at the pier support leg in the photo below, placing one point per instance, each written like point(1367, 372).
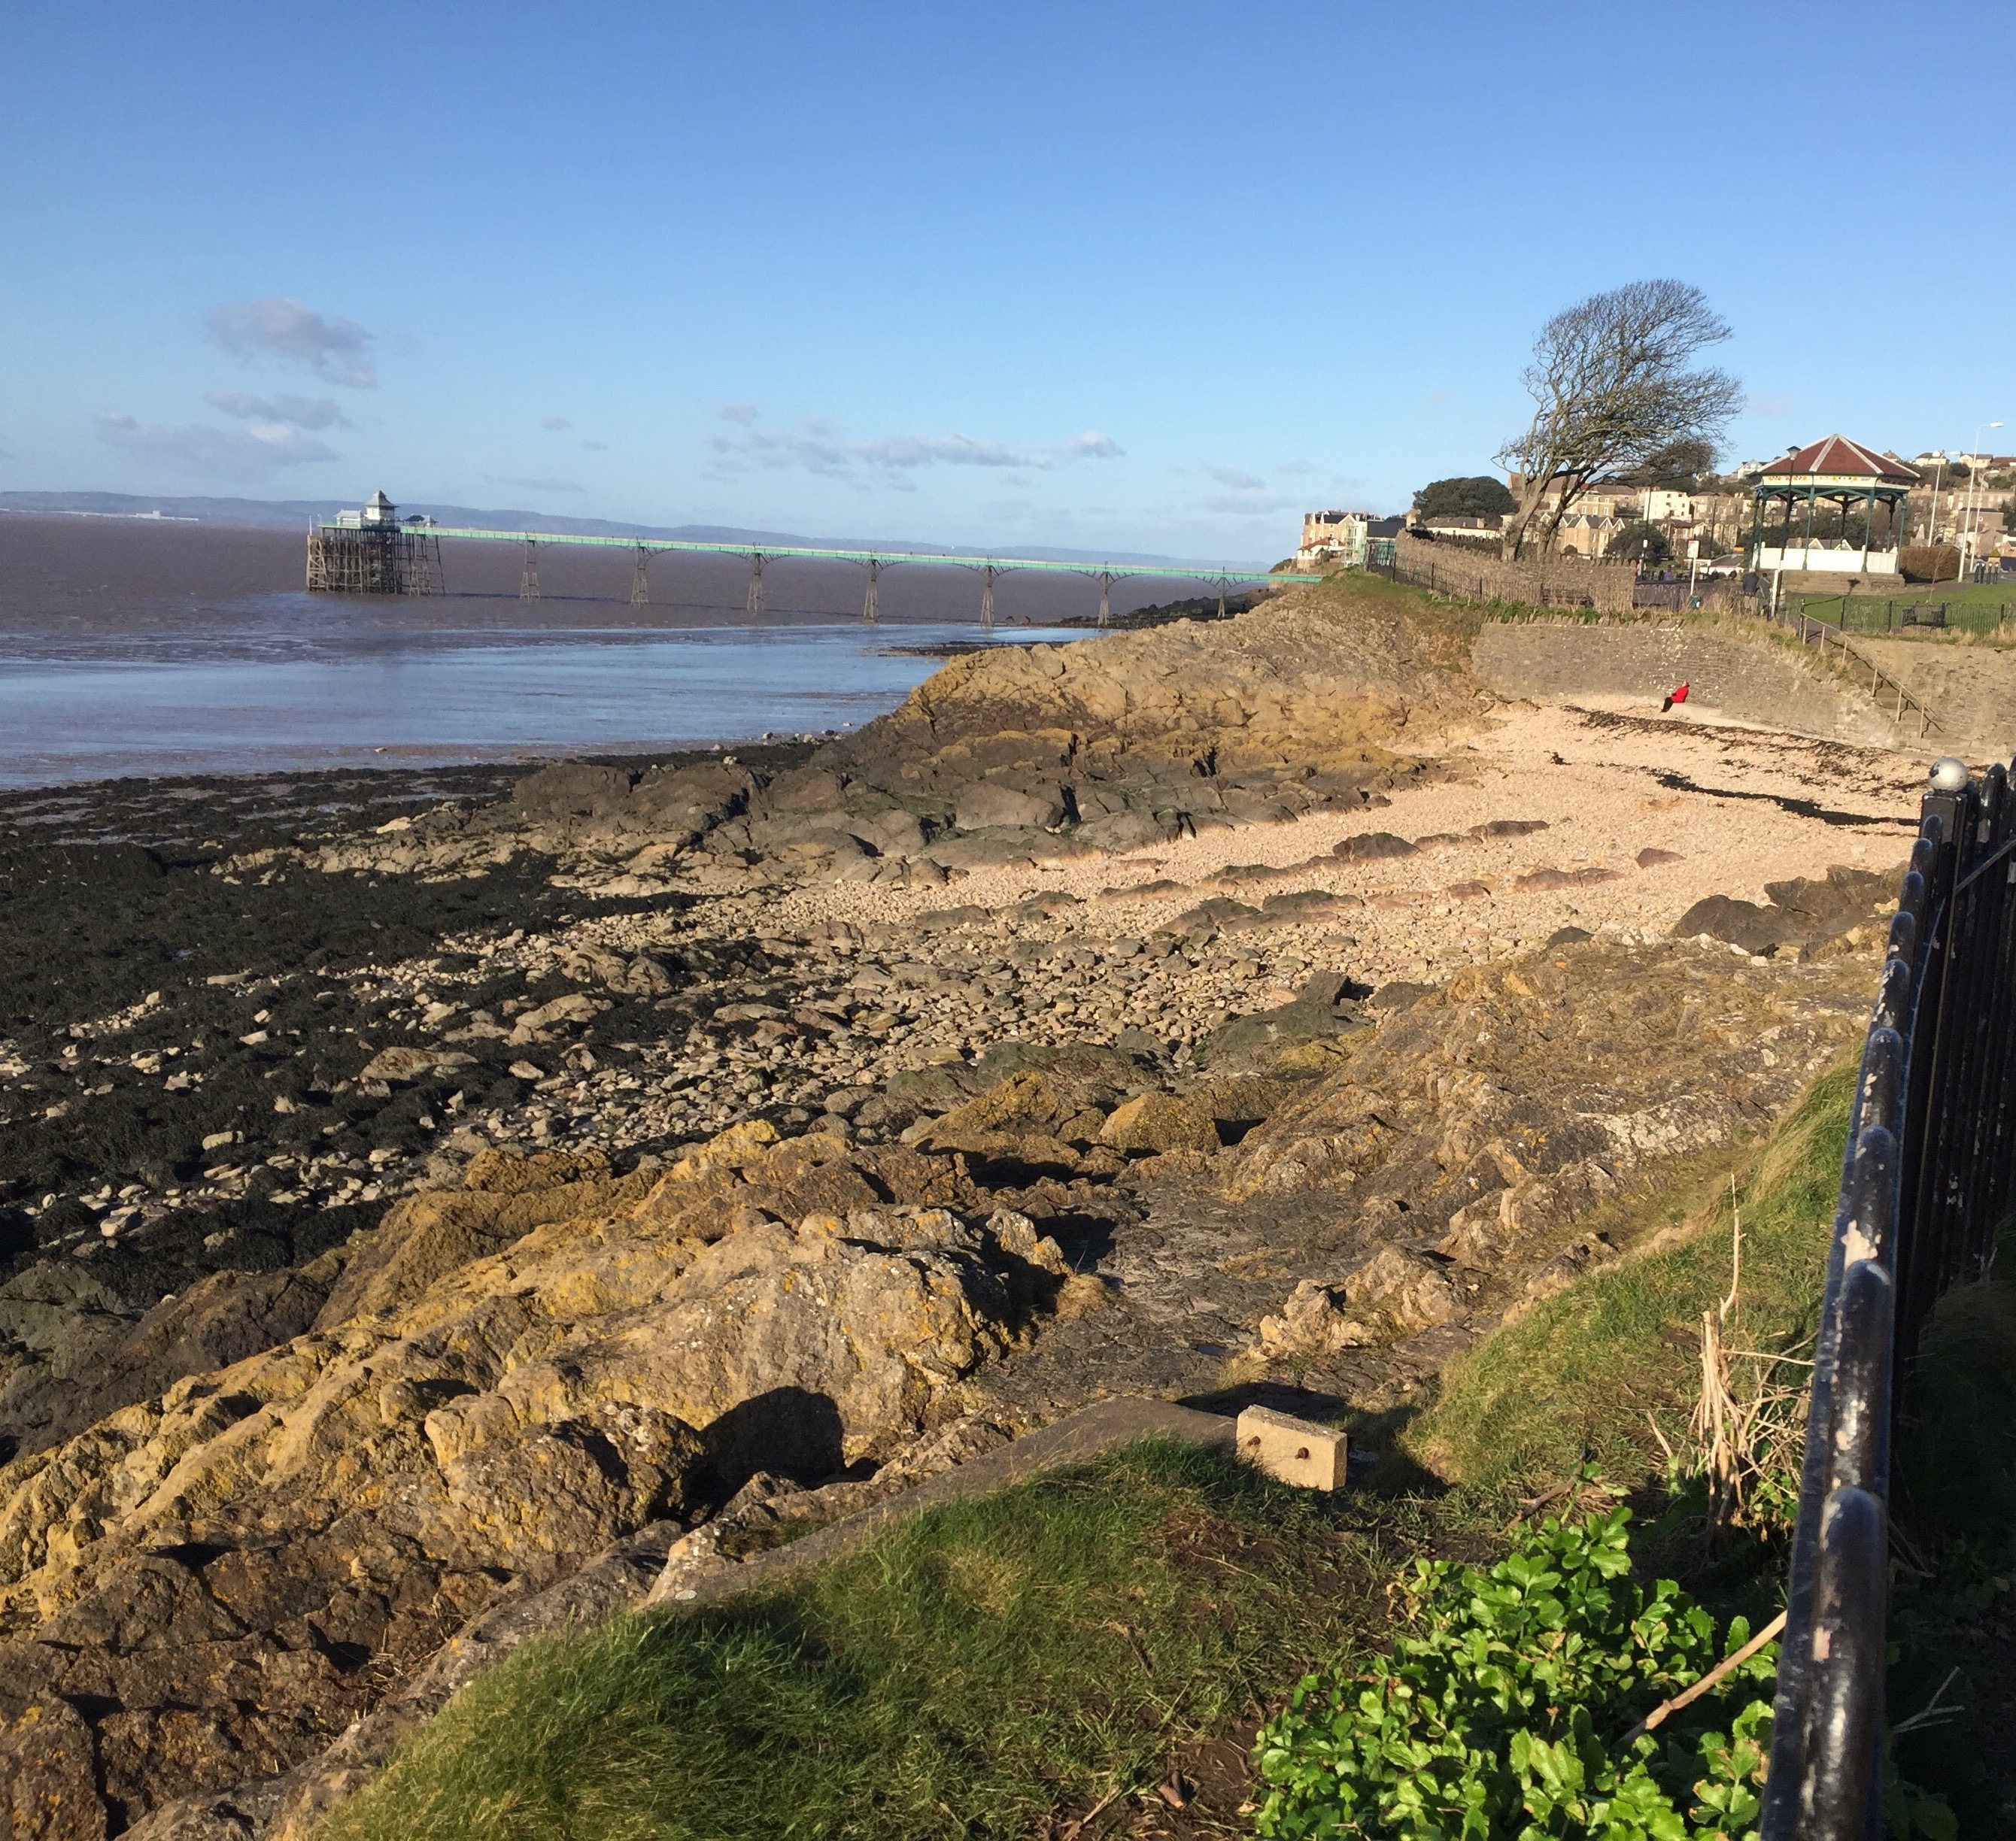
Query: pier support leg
point(1105, 597)
point(869, 610)
point(528, 576)
point(756, 587)
point(640, 579)
point(1222, 585)
point(987, 597)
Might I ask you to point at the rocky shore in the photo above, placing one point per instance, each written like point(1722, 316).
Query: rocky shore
point(421, 1194)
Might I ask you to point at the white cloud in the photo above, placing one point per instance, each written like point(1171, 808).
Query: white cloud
point(257, 451)
point(821, 447)
point(1245, 495)
point(556, 423)
point(301, 412)
point(336, 350)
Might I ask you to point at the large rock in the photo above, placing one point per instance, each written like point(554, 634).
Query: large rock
point(1371, 847)
point(219, 1320)
point(1393, 1294)
point(1294, 705)
point(990, 803)
point(1322, 1010)
point(1747, 924)
point(1155, 1122)
point(1801, 914)
point(1484, 1117)
point(1061, 1094)
point(214, 1583)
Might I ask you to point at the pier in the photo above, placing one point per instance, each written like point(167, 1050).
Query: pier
point(374, 551)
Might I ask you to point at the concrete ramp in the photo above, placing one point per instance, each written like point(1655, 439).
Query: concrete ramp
point(1759, 681)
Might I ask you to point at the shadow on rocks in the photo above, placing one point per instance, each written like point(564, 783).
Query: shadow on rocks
point(789, 1431)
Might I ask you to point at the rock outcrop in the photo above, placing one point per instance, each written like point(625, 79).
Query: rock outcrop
point(1801, 915)
point(501, 1382)
point(1470, 1134)
point(1009, 754)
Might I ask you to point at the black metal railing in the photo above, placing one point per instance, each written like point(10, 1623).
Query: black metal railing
point(1927, 1182)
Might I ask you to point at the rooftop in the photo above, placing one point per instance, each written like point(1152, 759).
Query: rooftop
point(1839, 456)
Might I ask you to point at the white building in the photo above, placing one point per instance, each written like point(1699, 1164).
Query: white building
point(378, 510)
point(1333, 536)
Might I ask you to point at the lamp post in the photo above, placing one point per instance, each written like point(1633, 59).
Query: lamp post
point(1973, 511)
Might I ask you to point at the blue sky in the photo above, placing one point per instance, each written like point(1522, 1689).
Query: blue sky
point(1148, 277)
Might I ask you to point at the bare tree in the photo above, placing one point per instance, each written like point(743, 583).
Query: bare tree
point(1612, 379)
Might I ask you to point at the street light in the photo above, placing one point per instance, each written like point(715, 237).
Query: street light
point(1971, 514)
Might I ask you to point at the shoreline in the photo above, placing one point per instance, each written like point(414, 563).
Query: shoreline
point(910, 1080)
point(1196, 931)
point(305, 702)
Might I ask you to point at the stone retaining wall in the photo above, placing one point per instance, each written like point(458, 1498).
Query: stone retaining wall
point(1752, 681)
point(1970, 690)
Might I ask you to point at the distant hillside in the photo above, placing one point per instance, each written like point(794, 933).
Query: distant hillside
point(291, 513)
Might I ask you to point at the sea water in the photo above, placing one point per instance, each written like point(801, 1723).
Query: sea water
point(340, 696)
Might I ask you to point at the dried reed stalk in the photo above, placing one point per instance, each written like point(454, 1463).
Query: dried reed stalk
point(1742, 1423)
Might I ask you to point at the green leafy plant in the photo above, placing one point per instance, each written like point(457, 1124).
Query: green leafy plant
point(1518, 1709)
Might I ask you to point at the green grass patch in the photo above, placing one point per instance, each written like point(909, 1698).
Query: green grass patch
point(983, 1664)
point(1986, 609)
point(1577, 1375)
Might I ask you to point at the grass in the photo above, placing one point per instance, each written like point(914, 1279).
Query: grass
point(987, 1664)
point(984, 1665)
point(1970, 608)
point(990, 1667)
point(1579, 1374)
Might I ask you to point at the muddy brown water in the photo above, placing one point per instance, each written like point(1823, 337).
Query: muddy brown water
point(131, 647)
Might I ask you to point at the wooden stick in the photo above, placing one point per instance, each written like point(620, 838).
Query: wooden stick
point(1717, 1674)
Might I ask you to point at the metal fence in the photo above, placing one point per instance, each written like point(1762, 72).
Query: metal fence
point(1928, 1181)
point(1456, 579)
point(1460, 583)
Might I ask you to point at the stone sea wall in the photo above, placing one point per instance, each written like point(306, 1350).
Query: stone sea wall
point(1745, 680)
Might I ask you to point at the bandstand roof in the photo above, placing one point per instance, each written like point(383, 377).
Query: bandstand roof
point(1837, 457)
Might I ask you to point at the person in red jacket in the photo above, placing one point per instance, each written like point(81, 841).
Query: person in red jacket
point(1679, 695)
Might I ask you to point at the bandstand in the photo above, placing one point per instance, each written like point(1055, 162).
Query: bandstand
point(1839, 472)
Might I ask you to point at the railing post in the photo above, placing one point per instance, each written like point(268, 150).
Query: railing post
point(1848, 1698)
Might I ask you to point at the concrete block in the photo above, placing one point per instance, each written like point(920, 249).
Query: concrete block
point(1293, 1451)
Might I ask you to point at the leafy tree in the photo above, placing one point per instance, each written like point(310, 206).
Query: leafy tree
point(1480, 495)
point(1641, 543)
point(1614, 383)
